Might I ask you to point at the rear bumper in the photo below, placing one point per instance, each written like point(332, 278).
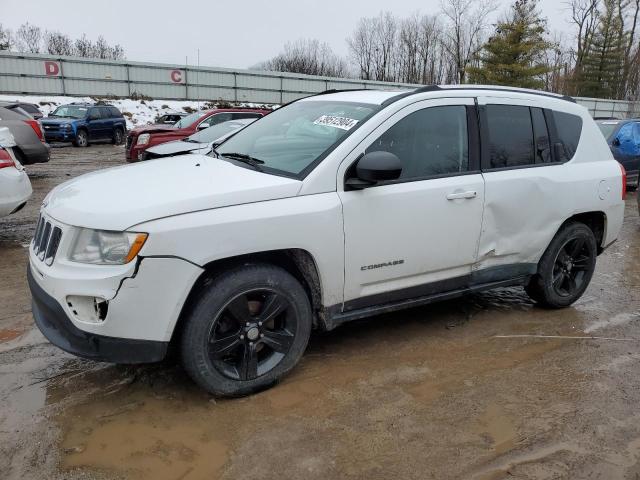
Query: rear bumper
point(54, 324)
point(35, 153)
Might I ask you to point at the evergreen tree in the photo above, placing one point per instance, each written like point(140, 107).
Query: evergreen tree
point(603, 65)
point(514, 56)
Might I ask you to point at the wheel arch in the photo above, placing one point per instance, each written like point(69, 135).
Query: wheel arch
point(595, 220)
point(298, 262)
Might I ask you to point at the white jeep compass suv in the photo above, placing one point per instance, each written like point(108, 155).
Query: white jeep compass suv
point(332, 208)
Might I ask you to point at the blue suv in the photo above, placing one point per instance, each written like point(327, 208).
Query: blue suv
point(82, 123)
point(623, 137)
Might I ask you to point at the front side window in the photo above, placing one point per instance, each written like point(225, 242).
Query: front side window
point(607, 128)
point(510, 131)
point(429, 142)
point(294, 137)
point(240, 115)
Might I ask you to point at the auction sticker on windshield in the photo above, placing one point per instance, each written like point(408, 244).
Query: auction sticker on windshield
point(343, 123)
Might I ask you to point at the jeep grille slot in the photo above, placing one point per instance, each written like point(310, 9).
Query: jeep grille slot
point(52, 249)
point(44, 240)
point(38, 235)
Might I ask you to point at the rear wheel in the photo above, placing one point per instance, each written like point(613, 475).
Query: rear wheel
point(249, 328)
point(566, 268)
point(82, 139)
point(118, 136)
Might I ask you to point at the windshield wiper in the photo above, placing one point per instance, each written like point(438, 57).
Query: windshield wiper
point(244, 158)
point(190, 140)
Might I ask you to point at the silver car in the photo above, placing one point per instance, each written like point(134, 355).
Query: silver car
point(31, 146)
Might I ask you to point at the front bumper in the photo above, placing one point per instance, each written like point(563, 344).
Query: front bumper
point(54, 324)
point(115, 313)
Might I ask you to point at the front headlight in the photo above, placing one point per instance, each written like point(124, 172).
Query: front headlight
point(143, 139)
point(103, 247)
point(67, 126)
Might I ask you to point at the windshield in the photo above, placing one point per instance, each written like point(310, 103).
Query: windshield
point(607, 128)
point(71, 111)
point(293, 137)
point(188, 120)
point(211, 134)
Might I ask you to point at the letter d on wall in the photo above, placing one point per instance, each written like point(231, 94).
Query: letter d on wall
point(51, 68)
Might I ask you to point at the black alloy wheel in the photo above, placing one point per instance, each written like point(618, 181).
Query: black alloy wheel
point(252, 334)
point(246, 329)
point(571, 267)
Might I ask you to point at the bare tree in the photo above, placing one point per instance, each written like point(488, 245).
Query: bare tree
point(56, 43)
point(29, 38)
point(362, 45)
point(309, 57)
point(467, 23)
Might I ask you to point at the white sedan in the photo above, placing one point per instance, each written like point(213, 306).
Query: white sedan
point(15, 187)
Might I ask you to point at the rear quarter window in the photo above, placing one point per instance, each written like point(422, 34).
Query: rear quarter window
point(114, 112)
point(569, 129)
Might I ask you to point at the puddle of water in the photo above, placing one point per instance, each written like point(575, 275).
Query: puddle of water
point(499, 427)
point(616, 320)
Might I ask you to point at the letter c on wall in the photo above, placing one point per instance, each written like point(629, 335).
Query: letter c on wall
point(51, 68)
point(176, 76)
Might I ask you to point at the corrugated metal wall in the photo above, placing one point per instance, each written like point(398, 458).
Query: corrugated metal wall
point(49, 75)
point(27, 74)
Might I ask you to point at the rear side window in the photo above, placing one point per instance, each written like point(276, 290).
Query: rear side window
point(569, 128)
point(114, 112)
point(510, 131)
point(29, 108)
point(541, 144)
point(429, 142)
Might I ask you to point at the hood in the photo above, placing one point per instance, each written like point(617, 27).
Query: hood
point(174, 148)
point(121, 197)
point(58, 120)
point(154, 129)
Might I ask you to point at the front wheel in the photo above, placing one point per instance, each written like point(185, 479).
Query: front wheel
point(249, 328)
point(82, 139)
point(566, 268)
point(118, 137)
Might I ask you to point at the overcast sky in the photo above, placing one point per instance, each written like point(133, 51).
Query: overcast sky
point(235, 34)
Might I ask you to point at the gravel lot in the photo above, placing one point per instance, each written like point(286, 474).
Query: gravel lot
point(486, 387)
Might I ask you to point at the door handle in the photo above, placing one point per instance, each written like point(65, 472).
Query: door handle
point(462, 195)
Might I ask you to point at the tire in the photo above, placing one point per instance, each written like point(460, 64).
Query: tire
point(82, 139)
point(228, 349)
point(566, 268)
point(118, 136)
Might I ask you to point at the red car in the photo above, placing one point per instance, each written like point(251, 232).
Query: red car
point(141, 138)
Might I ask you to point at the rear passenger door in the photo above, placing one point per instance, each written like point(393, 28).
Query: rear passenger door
point(96, 124)
point(527, 182)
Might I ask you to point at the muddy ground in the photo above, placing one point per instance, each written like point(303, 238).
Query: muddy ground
point(487, 387)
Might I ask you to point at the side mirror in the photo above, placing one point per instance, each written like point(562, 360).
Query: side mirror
point(616, 142)
point(203, 125)
point(375, 167)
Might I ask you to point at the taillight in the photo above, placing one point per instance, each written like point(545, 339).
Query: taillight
point(624, 182)
point(36, 128)
point(5, 159)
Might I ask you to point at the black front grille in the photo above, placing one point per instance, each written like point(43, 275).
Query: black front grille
point(46, 241)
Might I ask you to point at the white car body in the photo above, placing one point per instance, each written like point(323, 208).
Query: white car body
point(469, 225)
point(15, 187)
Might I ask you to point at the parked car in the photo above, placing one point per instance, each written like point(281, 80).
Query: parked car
point(200, 142)
point(31, 108)
point(330, 209)
point(170, 118)
point(142, 138)
point(623, 137)
point(83, 123)
point(30, 142)
point(15, 188)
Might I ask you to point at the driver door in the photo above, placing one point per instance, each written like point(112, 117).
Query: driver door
point(417, 235)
